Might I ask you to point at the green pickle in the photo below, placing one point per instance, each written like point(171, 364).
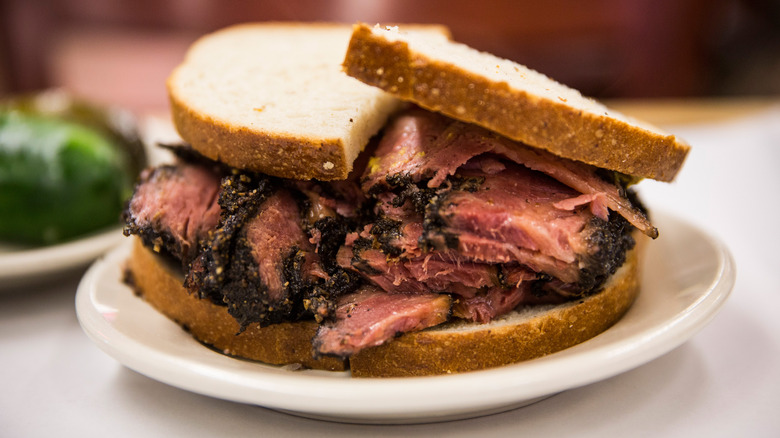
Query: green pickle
point(59, 178)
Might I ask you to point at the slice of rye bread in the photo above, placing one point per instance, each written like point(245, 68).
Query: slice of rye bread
point(159, 282)
point(510, 99)
point(454, 347)
point(523, 334)
point(271, 97)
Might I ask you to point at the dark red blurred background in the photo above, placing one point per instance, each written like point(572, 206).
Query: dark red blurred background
point(120, 51)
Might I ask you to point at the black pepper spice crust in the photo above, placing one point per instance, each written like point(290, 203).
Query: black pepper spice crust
point(228, 274)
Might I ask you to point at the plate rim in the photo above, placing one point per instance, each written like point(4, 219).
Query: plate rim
point(284, 391)
point(16, 264)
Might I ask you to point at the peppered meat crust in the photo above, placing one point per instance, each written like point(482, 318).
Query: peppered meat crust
point(225, 256)
point(227, 271)
point(607, 241)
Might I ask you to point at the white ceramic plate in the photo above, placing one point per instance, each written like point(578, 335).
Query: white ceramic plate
point(19, 265)
point(688, 276)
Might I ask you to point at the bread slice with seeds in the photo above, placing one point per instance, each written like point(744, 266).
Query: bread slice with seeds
point(510, 99)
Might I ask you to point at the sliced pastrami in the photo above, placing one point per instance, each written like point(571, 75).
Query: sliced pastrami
point(282, 262)
point(488, 250)
point(491, 212)
point(327, 199)
point(402, 148)
point(489, 304)
point(597, 202)
point(520, 287)
point(174, 208)
point(321, 300)
point(259, 259)
point(453, 220)
point(423, 146)
point(371, 317)
point(239, 199)
point(495, 302)
point(583, 178)
point(329, 212)
point(446, 272)
point(517, 206)
point(391, 276)
point(388, 254)
point(515, 216)
point(272, 235)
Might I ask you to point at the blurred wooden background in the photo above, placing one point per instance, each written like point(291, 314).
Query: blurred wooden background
point(120, 51)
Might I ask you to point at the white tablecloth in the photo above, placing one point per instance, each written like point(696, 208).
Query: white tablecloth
point(725, 382)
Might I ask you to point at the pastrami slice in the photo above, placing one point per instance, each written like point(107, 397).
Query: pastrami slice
point(174, 208)
point(371, 317)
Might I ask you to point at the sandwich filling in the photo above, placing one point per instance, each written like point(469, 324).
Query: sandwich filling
point(446, 220)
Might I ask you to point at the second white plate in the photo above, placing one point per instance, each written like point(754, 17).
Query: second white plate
point(21, 266)
point(687, 277)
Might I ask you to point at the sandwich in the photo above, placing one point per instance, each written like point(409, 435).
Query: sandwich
point(387, 201)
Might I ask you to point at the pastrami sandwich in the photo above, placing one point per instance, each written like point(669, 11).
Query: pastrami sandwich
point(488, 220)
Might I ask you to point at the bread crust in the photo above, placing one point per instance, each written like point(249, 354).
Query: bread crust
point(160, 284)
point(458, 347)
point(601, 140)
point(259, 151)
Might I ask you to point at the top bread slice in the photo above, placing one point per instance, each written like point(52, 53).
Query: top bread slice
point(271, 97)
point(510, 99)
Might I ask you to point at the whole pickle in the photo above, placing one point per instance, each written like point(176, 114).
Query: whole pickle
point(62, 175)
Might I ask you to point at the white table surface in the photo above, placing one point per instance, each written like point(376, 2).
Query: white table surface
point(725, 382)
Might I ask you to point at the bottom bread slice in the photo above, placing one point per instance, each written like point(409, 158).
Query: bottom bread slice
point(159, 282)
point(455, 347)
